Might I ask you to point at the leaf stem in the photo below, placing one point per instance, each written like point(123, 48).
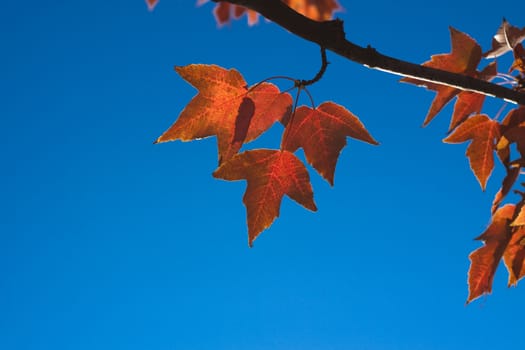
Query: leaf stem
point(309, 96)
point(321, 72)
point(289, 123)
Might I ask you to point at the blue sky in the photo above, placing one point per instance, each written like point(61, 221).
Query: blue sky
point(110, 242)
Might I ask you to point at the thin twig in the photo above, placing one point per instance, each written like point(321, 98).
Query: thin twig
point(319, 74)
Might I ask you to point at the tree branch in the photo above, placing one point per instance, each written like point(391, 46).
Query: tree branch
point(331, 35)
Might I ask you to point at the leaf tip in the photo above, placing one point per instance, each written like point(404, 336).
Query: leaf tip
point(151, 4)
point(482, 182)
point(158, 140)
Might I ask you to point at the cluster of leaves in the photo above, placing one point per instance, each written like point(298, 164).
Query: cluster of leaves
point(505, 236)
point(319, 10)
point(226, 107)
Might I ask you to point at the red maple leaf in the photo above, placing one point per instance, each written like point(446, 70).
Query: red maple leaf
point(469, 102)
point(485, 260)
point(514, 256)
point(227, 108)
point(483, 132)
point(151, 4)
point(270, 175)
point(506, 186)
point(224, 12)
point(464, 58)
point(322, 133)
point(319, 10)
point(513, 131)
point(520, 218)
point(519, 60)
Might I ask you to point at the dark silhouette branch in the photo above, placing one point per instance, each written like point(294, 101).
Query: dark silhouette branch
point(331, 36)
point(319, 75)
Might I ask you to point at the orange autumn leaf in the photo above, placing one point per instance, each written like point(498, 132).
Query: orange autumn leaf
point(506, 186)
point(151, 4)
point(485, 260)
point(226, 108)
point(270, 175)
point(483, 132)
point(513, 131)
point(464, 58)
point(469, 102)
point(520, 218)
point(519, 59)
point(224, 12)
point(322, 133)
point(318, 10)
point(514, 256)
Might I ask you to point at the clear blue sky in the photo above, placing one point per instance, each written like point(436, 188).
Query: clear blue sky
point(110, 242)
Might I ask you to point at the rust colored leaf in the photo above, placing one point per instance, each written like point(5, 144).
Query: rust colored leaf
point(506, 186)
point(514, 256)
point(520, 218)
point(503, 151)
point(483, 132)
point(151, 4)
point(464, 58)
point(270, 175)
point(226, 108)
point(318, 10)
point(519, 59)
point(225, 12)
point(322, 133)
point(513, 130)
point(468, 102)
point(485, 260)
point(506, 39)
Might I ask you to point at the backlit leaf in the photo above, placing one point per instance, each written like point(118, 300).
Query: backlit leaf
point(151, 4)
point(318, 10)
point(506, 186)
point(520, 218)
point(514, 256)
point(469, 102)
point(485, 260)
point(225, 12)
point(513, 130)
point(483, 132)
point(506, 38)
point(464, 58)
point(322, 133)
point(270, 175)
point(226, 108)
point(519, 59)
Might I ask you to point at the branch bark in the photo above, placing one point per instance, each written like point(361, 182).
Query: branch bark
point(331, 36)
